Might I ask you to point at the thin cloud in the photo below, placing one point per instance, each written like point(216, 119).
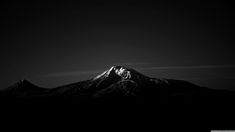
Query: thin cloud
point(188, 67)
point(91, 72)
point(75, 73)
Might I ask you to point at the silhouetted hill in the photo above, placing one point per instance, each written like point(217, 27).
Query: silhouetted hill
point(21, 88)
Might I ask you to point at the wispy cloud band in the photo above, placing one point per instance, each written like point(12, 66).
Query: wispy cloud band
point(188, 67)
point(73, 73)
point(90, 72)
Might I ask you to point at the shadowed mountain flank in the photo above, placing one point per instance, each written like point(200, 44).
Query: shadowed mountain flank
point(119, 84)
point(121, 92)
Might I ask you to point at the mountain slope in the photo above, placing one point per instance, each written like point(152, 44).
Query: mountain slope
point(120, 83)
point(22, 88)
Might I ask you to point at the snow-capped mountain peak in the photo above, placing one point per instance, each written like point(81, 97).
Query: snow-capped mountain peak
point(121, 71)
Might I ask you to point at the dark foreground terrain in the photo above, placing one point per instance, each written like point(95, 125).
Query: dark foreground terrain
point(120, 98)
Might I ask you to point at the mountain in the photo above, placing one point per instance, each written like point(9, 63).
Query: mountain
point(121, 93)
point(21, 88)
point(120, 84)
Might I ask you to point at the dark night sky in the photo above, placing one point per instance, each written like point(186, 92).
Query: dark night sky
point(55, 43)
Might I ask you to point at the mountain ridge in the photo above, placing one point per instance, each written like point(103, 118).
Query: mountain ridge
point(122, 93)
point(116, 83)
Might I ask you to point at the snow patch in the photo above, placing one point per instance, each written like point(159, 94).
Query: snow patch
point(124, 73)
point(120, 71)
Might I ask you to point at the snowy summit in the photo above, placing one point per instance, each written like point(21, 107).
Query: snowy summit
point(121, 71)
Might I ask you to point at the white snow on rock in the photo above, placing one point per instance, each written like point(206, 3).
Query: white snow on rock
point(124, 73)
point(120, 71)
